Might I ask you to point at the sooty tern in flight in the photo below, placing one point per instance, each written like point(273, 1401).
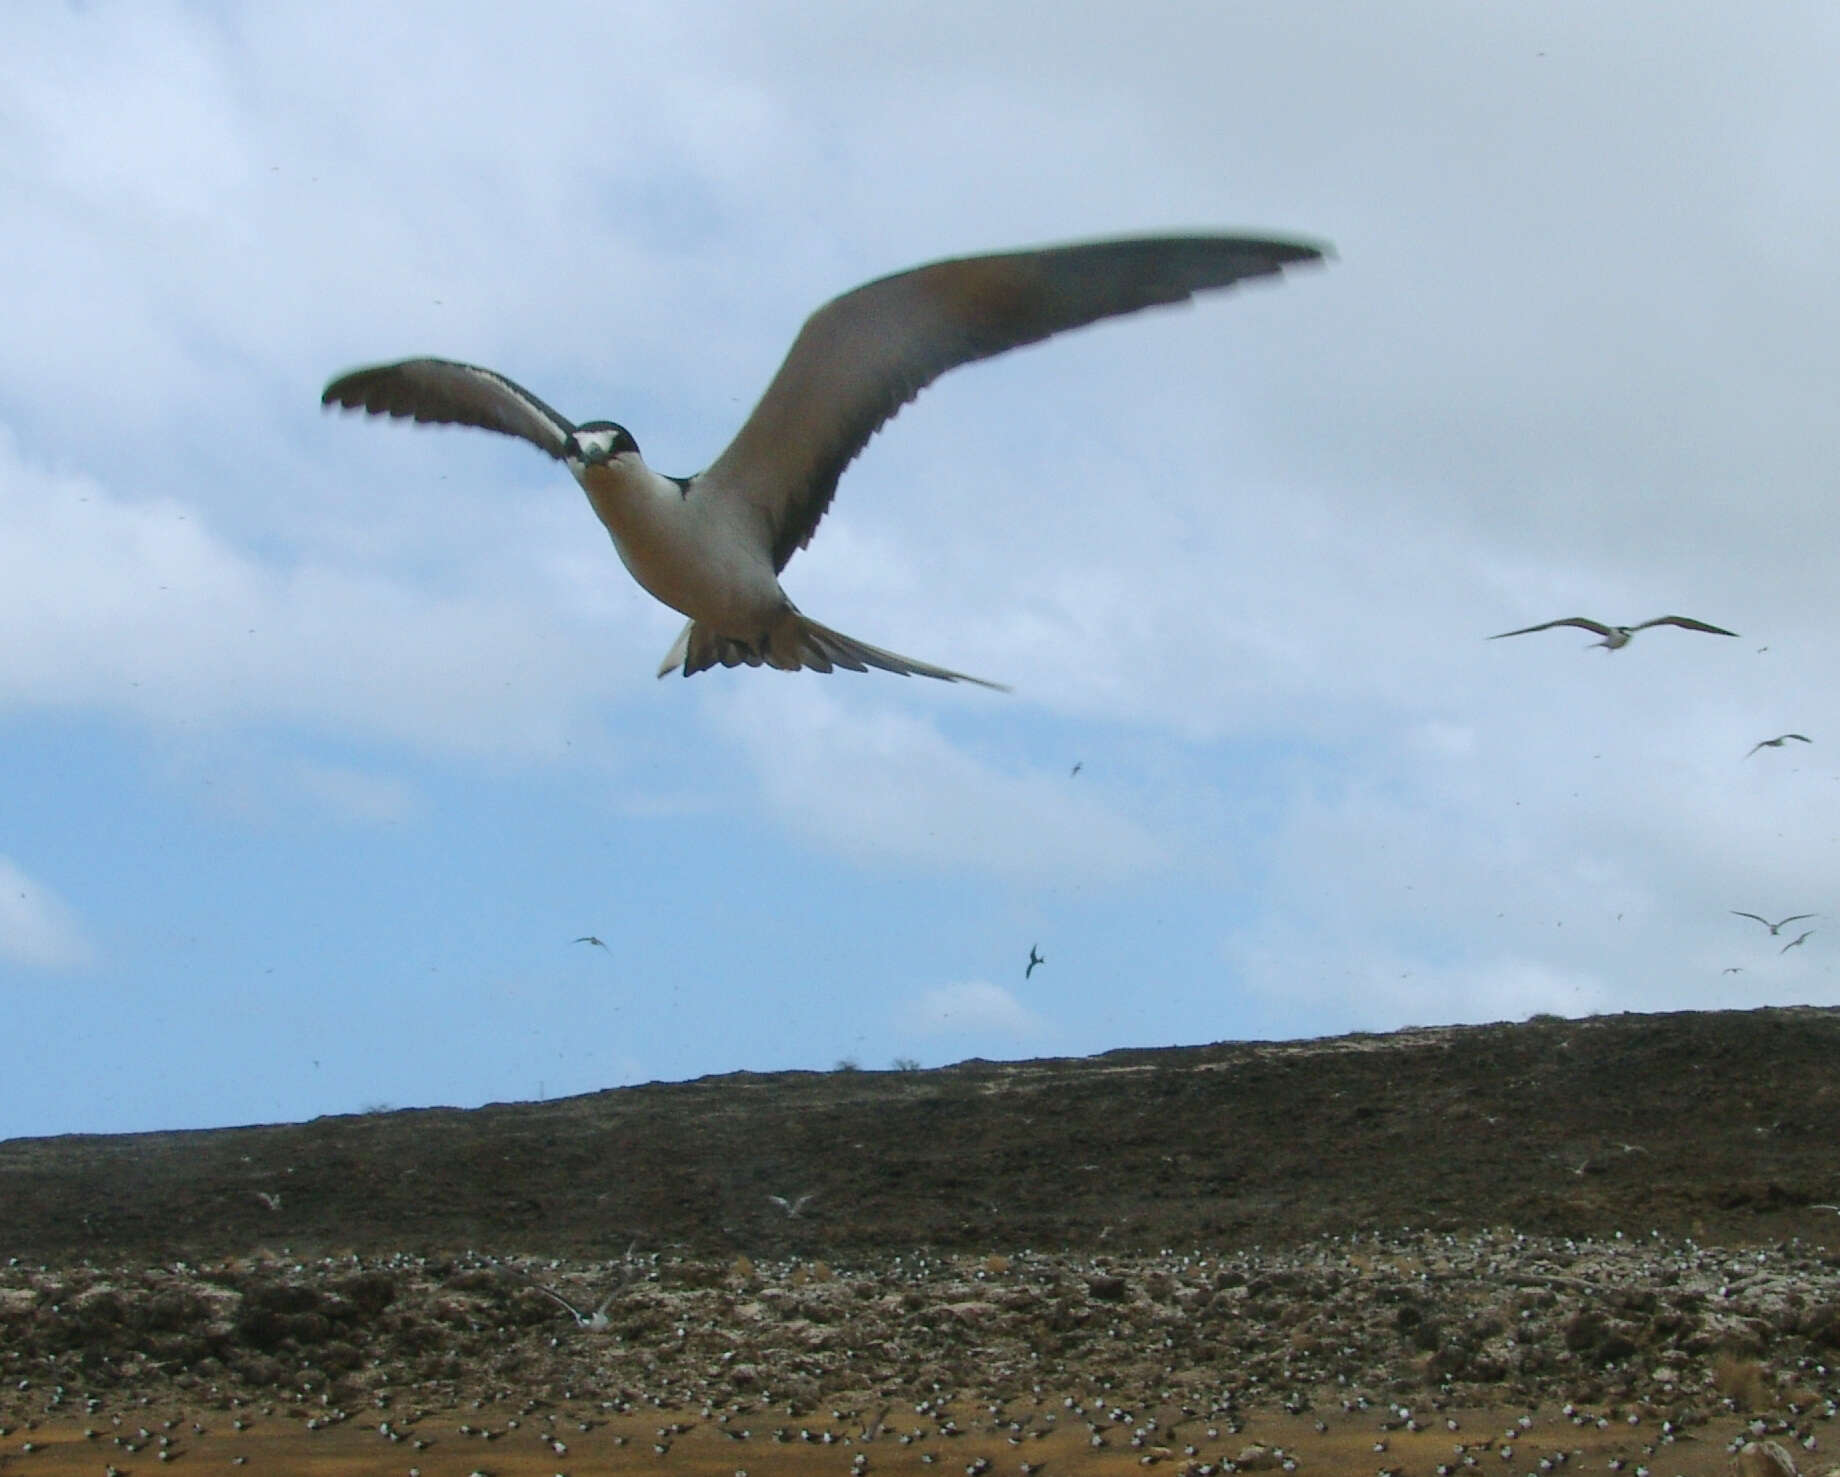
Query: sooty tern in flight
point(712, 546)
point(1034, 959)
point(1775, 928)
point(1798, 940)
point(1778, 742)
point(1619, 636)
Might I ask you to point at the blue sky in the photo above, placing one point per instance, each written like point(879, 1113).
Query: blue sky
point(321, 739)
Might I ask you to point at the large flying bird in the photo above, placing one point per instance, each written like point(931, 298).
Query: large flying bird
point(1616, 637)
point(712, 546)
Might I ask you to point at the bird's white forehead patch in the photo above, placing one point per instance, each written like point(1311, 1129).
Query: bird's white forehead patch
point(597, 443)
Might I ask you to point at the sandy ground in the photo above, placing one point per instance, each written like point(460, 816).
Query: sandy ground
point(1018, 1437)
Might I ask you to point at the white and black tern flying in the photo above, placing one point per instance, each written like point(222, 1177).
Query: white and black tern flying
point(712, 546)
point(1798, 940)
point(1777, 742)
point(1034, 959)
point(596, 1320)
point(1616, 637)
point(1778, 926)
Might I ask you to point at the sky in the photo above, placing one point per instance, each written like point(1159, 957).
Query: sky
point(323, 739)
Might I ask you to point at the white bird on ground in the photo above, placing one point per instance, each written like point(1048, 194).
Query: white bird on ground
point(712, 546)
point(1778, 926)
point(1616, 637)
point(1778, 742)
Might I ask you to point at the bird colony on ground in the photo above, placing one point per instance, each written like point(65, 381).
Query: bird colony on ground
point(1611, 1340)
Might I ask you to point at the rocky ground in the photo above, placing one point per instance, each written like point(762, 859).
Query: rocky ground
point(1630, 1216)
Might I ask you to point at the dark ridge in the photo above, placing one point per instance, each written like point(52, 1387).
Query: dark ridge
point(1723, 1126)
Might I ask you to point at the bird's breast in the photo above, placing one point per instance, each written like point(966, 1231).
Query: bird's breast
point(691, 552)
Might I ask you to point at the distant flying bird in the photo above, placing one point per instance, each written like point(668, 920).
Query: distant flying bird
point(588, 938)
point(1619, 636)
point(597, 1320)
point(792, 1207)
point(712, 546)
point(1732, 969)
point(1778, 742)
point(1800, 939)
point(1034, 959)
point(1774, 927)
point(1078, 765)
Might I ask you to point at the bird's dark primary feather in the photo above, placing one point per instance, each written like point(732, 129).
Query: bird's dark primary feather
point(1584, 623)
point(440, 390)
point(864, 355)
point(1686, 623)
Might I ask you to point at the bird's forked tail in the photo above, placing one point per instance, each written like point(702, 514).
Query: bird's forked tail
point(796, 641)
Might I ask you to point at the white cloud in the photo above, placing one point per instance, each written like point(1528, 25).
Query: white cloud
point(37, 928)
point(872, 782)
point(971, 1008)
point(142, 607)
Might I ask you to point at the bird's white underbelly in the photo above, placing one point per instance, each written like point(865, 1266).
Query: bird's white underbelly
point(685, 554)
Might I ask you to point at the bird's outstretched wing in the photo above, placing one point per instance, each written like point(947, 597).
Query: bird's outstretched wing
point(1794, 918)
point(864, 355)
point(453, 394)
point(1686, 623)
point(1584, 623)
point(1764, 921)
point(554, 1296)
point(1777, 742)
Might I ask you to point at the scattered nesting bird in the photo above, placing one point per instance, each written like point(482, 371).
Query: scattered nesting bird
point(1778, 742)
point(1616, 637)
point(712, 546)
point(792, 1207)
point(1796, 942)
point(1034, 959)
point(1777, 927)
